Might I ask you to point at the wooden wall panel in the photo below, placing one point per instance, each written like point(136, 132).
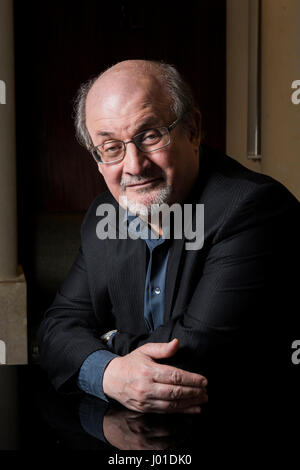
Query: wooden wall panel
point(60, 44)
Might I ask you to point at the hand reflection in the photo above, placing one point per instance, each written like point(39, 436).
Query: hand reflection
point(82, 421)
point(130, 430)
point(125, 429)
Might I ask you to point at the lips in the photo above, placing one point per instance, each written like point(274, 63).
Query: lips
point(143, 183)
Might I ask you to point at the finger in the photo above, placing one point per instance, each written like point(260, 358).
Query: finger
point(176, 392)
point(160, 407)
point(172, 406)
point(172, 375)
point(175, 406)
point(164, 406)
point(160, 350)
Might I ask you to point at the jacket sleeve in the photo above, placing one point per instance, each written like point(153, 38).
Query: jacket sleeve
point(70, 331)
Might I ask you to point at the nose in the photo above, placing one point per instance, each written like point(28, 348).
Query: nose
point(134, 161)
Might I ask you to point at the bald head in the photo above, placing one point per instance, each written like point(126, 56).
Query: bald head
point(114, 93)
point(135, 68)
point(122, 80)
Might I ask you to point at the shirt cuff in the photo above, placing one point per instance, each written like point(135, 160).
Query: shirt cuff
point(90, 375)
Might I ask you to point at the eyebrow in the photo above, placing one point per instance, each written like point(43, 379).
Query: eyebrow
point(143, 125)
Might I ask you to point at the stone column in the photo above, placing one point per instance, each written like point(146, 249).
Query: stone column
point(13, 321)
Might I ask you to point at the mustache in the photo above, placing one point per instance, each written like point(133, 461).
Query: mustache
point(142, 178)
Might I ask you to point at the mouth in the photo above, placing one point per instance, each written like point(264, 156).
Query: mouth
point(144, 183)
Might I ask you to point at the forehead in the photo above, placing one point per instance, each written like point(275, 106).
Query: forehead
point(125, 100)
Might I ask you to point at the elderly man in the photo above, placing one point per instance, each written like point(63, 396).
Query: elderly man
point(144, 320)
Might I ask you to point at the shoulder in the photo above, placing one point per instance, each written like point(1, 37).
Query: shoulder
point(91, 218)
point(225, 176)
point(234, 195)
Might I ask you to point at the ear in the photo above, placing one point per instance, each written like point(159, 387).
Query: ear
point(100, 168)
point(194, 128)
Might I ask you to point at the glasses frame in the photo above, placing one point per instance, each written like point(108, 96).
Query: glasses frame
point(133, 140)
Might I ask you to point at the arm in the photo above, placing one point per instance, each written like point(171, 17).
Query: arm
point(91, 372)
point(70, 331)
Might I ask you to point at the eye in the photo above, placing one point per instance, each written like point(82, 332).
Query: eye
point(150, 136)
point(112, 147)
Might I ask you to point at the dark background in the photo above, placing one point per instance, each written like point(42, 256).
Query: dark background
point(58, 46)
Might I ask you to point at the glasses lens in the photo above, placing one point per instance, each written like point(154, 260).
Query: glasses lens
point(152, 139)
point(111, 151)
point(146, 141)
point(96, 155)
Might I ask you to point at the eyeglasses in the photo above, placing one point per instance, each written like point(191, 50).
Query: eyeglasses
point(150, 140)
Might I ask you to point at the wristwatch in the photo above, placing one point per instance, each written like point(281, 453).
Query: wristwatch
point(106, 337)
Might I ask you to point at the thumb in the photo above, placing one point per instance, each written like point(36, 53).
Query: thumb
point(160, 350)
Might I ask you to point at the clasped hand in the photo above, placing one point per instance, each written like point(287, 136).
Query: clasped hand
point(141, 384)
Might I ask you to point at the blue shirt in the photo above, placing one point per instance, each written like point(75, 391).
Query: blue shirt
point(90, 376)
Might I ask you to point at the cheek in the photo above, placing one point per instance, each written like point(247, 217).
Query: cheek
point(112, 176)
point(166, 161)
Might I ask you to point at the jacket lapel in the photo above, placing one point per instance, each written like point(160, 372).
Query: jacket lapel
point(175, 256)
point(177, 249)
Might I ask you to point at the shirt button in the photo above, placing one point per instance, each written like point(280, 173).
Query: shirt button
point(157, 290)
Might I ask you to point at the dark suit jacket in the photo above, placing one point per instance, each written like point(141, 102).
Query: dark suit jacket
point(229, 303)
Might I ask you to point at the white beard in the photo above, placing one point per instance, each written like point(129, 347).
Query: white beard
point(161, 197)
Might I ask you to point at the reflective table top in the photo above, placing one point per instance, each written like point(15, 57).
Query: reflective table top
point(33, 416)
